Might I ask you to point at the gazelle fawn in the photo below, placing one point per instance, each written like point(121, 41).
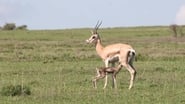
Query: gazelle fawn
point(122, 53)
point(104, 71)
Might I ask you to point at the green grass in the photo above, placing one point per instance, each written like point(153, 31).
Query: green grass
point(58, 66)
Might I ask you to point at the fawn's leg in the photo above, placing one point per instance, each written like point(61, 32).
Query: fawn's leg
point(105, 84)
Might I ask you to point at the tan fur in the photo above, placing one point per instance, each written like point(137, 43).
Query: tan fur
point(102, 73)
point(114, 53)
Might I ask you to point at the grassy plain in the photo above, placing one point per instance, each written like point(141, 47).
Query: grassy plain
point(58, 66)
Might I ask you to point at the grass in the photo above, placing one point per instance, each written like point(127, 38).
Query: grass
point(58, 66)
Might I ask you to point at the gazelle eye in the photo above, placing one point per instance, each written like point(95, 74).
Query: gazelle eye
point(93, 37)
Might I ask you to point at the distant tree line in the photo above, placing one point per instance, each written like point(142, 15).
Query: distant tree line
point(12, 26)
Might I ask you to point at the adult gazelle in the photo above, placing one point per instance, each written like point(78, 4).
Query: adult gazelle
point(122, 53)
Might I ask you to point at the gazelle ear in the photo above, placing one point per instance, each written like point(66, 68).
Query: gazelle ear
point(92, 32)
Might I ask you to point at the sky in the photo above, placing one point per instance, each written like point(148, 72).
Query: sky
point(66, 14)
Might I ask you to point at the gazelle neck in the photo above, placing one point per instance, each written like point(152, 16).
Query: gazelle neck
point(99, 48)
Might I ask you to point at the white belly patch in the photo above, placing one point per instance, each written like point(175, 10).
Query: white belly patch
point(114, 58)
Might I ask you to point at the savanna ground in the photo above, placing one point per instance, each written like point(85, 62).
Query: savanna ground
point(58, 67)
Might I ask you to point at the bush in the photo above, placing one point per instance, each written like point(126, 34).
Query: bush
point(9, 26)
point(16, 90)
point(23, 27)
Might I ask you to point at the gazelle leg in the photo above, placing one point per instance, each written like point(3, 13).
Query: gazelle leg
point(94, 83)
point(114, 82)
point(127, 61)
point(132, 74)
point(97, 78)
point(132, 71)
point(107, 63)
point(105, 85)
point(114, 77)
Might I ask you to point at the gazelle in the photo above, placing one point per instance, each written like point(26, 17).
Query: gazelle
point(122, 53)
point(103, 71)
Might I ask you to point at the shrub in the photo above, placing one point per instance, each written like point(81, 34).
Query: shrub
point(9, 26)
point(23, 27)
point(16, 90)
